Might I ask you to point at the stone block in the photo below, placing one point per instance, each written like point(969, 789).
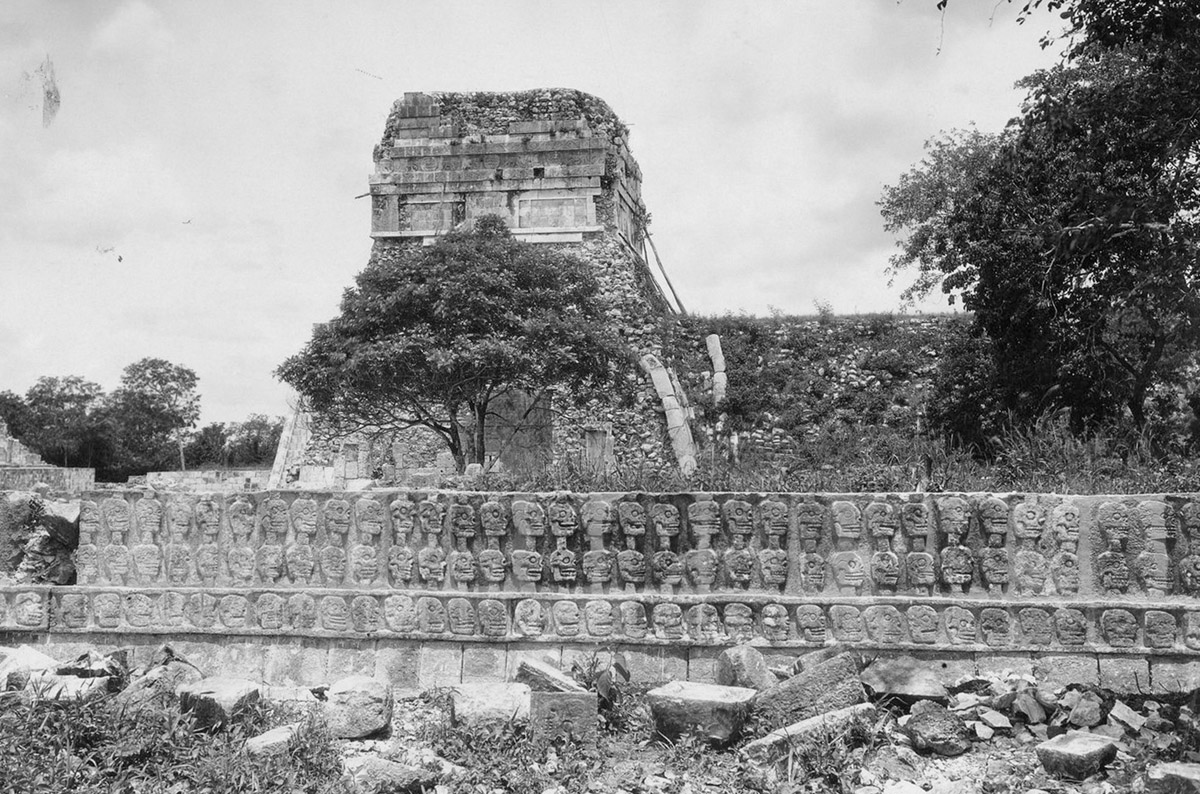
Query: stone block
point(245, 658)
point(357, 658)
point(582, 656)
point(904, 676)
point(715, 712)
point(483, 662)
point(1076, 755)
point(545, 678)
point(933, 728)
point(46, 685)
point(272, 742)
point(1174, 676)
point(543, 654)
point(16, 665)
point(474, 703)
point(742, 665)
point(295, 664)
point(400, 666)
point(657, 664)
point(1057, 670)
point(1173, 778)
point(1001, 665)
point(215, 701)
point(157, 685)
point(826, 686)
point(563, 715)
point(370, 774)
point(1125, 675)
point(203, 655)
point(702, 665)
point(775, 745)
point(358, 706)
point(441, 664)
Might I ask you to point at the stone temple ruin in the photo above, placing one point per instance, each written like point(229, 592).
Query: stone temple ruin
point(556, 164)
point(455, 586)
point(292, 586)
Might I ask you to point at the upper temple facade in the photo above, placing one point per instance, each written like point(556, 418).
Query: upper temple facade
point(554, 162)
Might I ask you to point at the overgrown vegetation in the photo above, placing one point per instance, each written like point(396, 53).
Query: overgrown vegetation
point(93, 748)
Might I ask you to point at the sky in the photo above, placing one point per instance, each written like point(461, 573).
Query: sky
point(194, 197)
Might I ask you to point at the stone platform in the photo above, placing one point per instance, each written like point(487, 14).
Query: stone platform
point(429, 586)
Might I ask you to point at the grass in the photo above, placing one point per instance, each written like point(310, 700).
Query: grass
point(94, 748)
point(838, 458)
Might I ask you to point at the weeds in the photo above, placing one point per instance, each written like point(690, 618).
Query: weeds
point(91, 747)
point(501, 755)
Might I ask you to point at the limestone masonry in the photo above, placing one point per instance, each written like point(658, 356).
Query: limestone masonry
point(957, 574)
point(554, 163)
point(22, 468)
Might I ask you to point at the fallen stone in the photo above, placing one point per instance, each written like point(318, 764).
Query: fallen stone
point(744, 666)
point(563, 715)
point(216, 701)
point(358, 706)
point(901, 787)
point(933, 728)
point(994, 719)
point(46, 685)
point(1086, 712)
point(272, 742)
point(905, 677)
point(542, 677)
point(1076, 755)
point(774, 747)
point(1173, 778)
point(715, 712)
point(827, 686)
point(473, 703)
point(370, 774)
point(1114, 731)
point(983, 731)
point(1126, 716)
point(1030, 706)
point(16, 665)
point(93, 664)
point(813, 658)
point(156, 687)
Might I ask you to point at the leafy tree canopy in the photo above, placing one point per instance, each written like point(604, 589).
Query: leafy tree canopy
point(1073, 234)
point(429, 336)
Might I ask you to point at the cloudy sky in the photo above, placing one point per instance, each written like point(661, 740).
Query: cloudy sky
point(194, 197)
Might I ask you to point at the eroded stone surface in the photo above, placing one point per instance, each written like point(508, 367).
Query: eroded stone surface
point(218, 700)
point(709, 710)
point(826, 686)
point(358, 706)
point(542, 677)
point(472, 703)
point(1173, 778)
point(744, 666)
point(1076, 755)
point(933, 728)
point(774, 746)
point(272, 742)
point(563, 715)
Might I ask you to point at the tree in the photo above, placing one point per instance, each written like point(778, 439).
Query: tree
point(253, 442)
point(208, 446)
point(63, 423)
point(430, 336)
point(1074, 240)
point(165, 395)
point(15, 414)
